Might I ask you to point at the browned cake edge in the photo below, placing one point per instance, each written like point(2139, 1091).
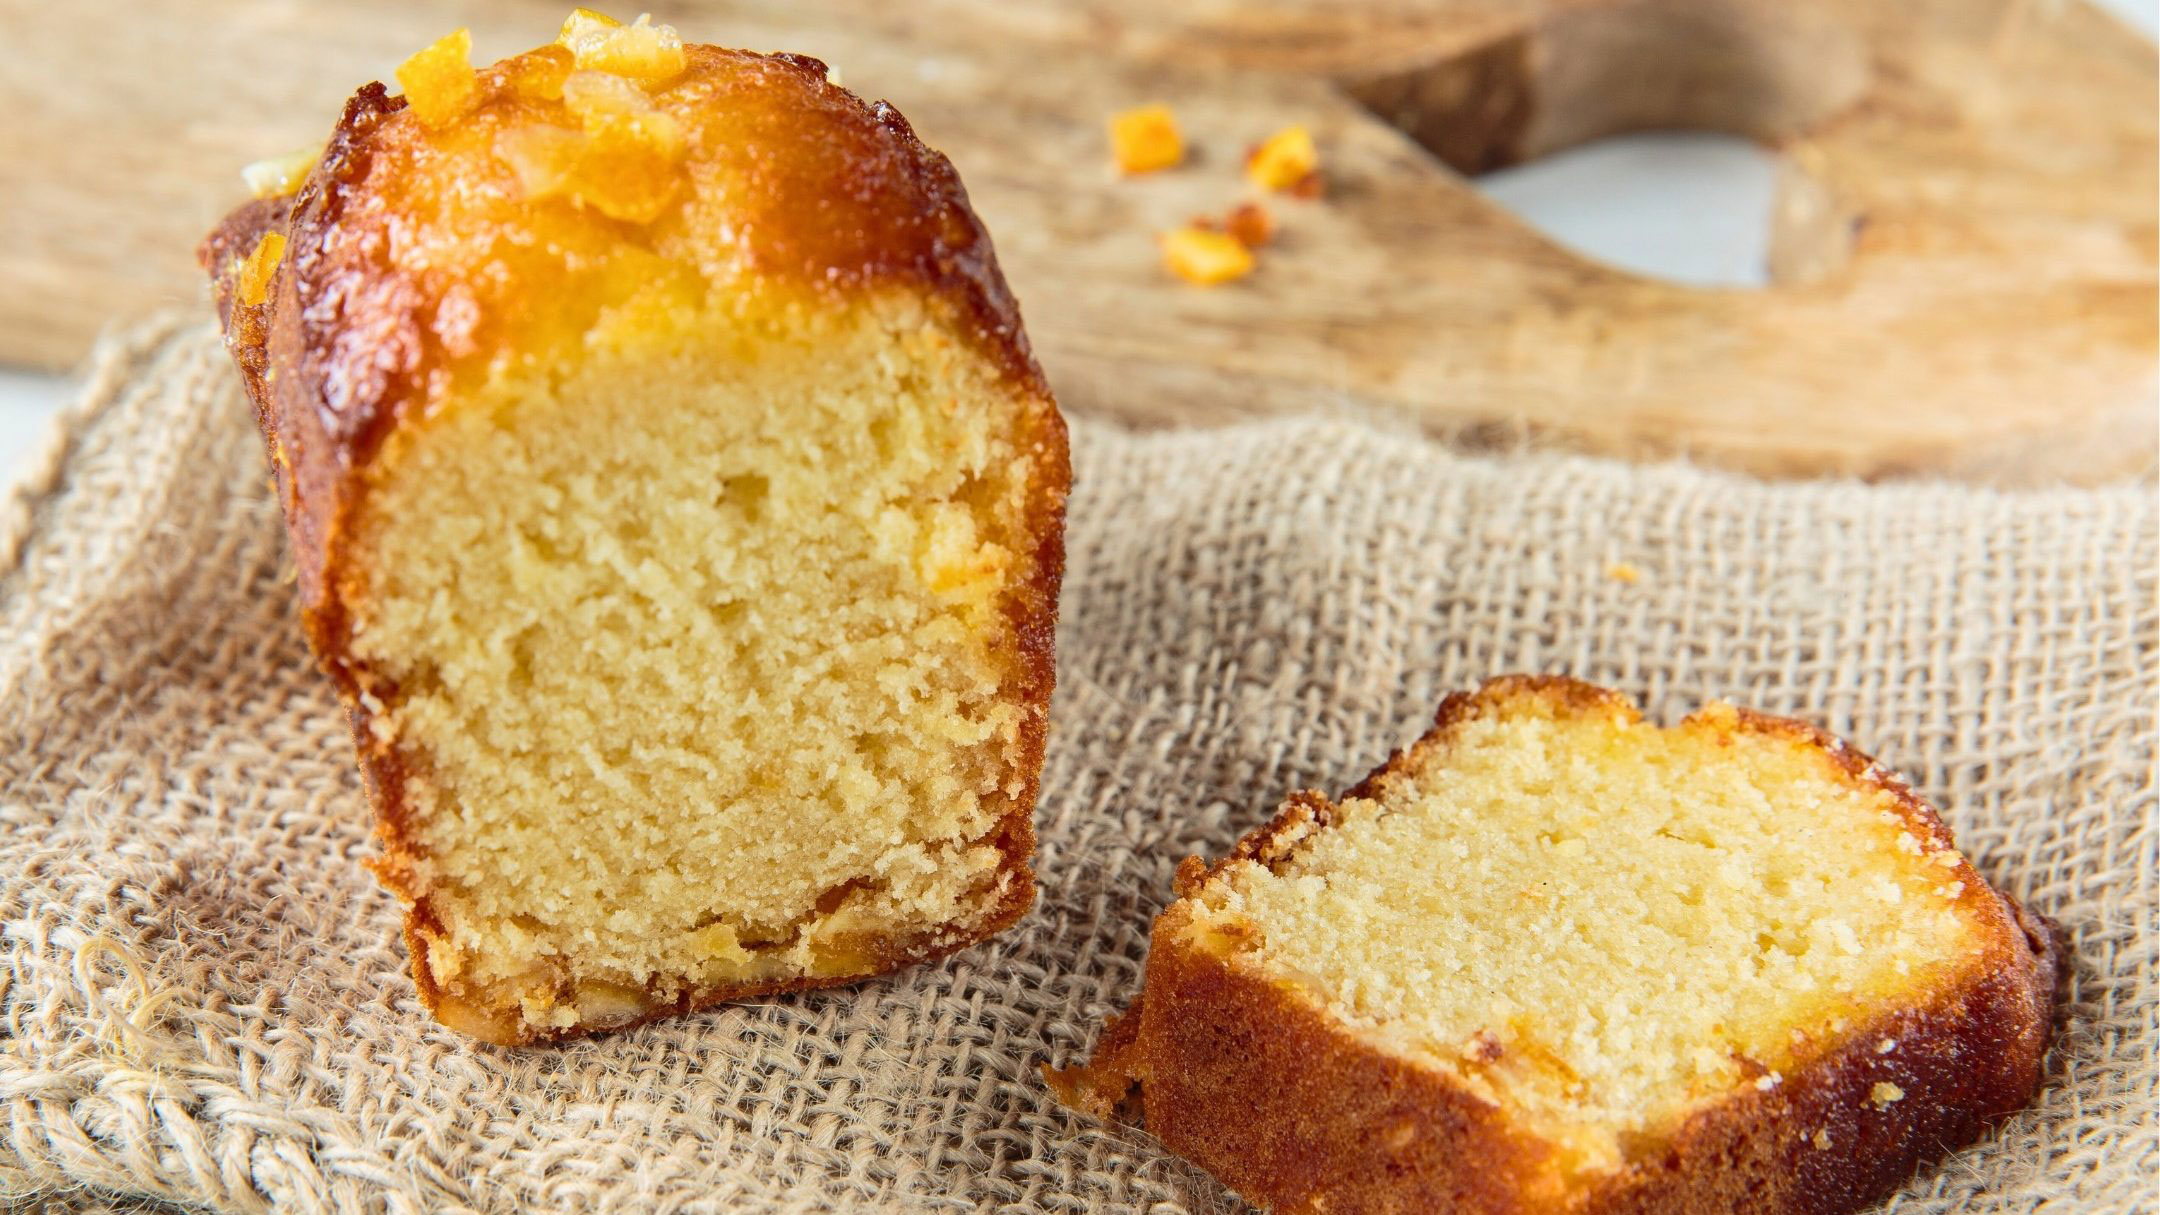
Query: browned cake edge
point(369, 355)
point(1288, 1106)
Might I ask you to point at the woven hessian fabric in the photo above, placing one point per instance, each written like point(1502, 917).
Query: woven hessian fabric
point(204, 1001)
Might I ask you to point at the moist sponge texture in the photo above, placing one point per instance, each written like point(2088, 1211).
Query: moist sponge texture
point(1598, 921)
point(1553, 955)
point(701, 658)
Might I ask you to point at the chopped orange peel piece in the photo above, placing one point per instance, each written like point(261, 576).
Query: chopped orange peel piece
point(1251, 224)
point(253, 281)
point(1145, 139)
point(623, 160)
point(538, 74)
point(1286, 161)
point(438, 80)
point(544, 158)
point(585, 22)
point(1205, 258)
point(603, 102)
point(640, 51)
point(278, 176)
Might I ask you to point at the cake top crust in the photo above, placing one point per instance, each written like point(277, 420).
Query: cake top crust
point(489, 230)
point(419, 253)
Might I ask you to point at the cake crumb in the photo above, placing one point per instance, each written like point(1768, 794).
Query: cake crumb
point(279, 176)
point(1885, 1046)
point(1768, 1081)
point(1621, 571)
point(1885, 1094)
point(1483, 1047)
point(1822, 1139)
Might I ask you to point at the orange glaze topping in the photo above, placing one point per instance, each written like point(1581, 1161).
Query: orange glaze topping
point(421, 254)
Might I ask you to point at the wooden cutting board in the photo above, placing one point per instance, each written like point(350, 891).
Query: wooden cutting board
point(1963, 249)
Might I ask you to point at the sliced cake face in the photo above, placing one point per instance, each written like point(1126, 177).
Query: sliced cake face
point(698, 659)
point(1551, 957)
point(1599, 924)
point(679, 510)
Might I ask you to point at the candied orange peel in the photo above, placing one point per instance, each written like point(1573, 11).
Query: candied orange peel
point(1145, 139)
point(438, 80)
point(1205, 258)
point(1286, 160)
point(607, 105)
point(640, 51)
point(1251, 224)
point(622, 160)
point(539, 74)
point(253, 280)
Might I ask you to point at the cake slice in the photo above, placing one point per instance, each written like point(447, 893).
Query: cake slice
point(1553, 958)
point(678, 511)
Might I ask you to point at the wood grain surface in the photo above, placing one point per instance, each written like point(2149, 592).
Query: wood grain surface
point(1963, 251)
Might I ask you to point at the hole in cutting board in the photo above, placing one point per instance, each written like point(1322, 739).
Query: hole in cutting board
point(1639, 133)
point(1690, 207)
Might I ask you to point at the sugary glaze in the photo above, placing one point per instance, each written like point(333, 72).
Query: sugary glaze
point(446, 253)
point(1252, 1057)
point(424, 257)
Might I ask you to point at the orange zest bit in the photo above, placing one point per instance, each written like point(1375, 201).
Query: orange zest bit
point(1286, 161)
point(538, 74)
point(438, 80)
point(641, 51)
point(252, 283)
point(1146, 139)
point(624, 160)
point(1205, 258)
point(1251, 224)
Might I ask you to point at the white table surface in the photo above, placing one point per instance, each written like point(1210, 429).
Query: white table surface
point(1637, 201)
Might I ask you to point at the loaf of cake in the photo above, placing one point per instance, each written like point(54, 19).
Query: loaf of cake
point(678, 511)
point(1554, 958)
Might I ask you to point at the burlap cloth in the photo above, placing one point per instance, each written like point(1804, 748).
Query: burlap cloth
point(204, 998)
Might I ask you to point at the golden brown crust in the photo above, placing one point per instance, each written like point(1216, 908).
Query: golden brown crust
point(823, 193)
point(1298, 1113)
